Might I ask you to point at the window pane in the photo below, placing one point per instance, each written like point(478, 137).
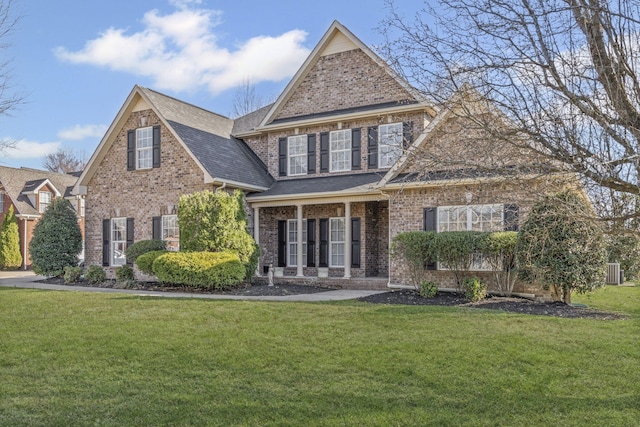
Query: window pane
point(337, 242)
point(297, 153)
point(389, 144)
point(292, 242)
point(144, 147)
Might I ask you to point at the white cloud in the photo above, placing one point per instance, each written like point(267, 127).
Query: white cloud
point(80, 132)
point(31, 150)
point(179, 51)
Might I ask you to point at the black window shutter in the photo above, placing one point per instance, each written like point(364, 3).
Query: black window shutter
point(324, 152)
point(106, 241)
point(407, 134)
point(311, 242)
point(356, 152)
point(156, 228)
point(430, 224)
point(511, 218)
point(355, 242)
point(131, 150)
point(282, 243)
point(372, 147)
point(129, 235)
point(282, 156)
point(324, 242)
point(156, 146)
point(311, 153)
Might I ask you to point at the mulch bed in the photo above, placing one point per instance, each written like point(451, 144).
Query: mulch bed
point(399, 297)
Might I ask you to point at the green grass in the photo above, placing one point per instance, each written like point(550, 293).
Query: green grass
point(70, 358)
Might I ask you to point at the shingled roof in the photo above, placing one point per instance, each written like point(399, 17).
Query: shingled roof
point(18, 182)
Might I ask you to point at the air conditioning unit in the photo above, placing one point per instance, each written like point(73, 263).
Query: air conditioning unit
point(613, 274)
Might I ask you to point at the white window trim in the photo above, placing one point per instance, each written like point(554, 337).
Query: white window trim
point(113, 242)
point(332, 242)
point(292, 225)
point(475, 265)
point(396, 146)
point(173, 242)
point(43, 206)
point(303, 156)
point(148, 149)
point(332, 151)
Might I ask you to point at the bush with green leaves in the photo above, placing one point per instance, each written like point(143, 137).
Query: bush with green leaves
point(474, 289)
point(455, 249)
point(72, 274)
point(428, 289)
point(124, 273)
point(214, 222)
point(416, 249)
point(10, 256)
point(57, 239)
point(142, 247)
point(561, 246)
point(145, 261)
point(95, 275)
point(625, 250)
point(498, 250)
point(210, 270)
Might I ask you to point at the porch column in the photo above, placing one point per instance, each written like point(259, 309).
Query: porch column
point(300, 271)
point(347, 240)
point(256, 233)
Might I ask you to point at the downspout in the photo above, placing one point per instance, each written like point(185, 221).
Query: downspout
point(24, 257)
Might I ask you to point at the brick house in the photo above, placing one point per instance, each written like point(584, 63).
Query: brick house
point(30, 191)
point(332, 170)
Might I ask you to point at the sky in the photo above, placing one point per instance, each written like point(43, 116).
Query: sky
point(76, 61)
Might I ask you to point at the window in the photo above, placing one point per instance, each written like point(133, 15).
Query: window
point(171, 232)
point(336, 242)
point(389, 144)
point(292, 242)
point(297, 155)
point(44, 200)
point(1, 201)
point(340, 146)
point(144, 148)
point(118, 241)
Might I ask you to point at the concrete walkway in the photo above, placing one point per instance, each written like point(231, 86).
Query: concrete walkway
point(29, 280)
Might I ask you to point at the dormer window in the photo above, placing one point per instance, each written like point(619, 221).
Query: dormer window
point(44, 200)
point(144, 148)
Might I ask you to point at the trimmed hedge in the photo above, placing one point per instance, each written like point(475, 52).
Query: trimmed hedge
point(418, 248)
point(95, 274)
point(211, 270)
point(145, 261)
point(142, 247)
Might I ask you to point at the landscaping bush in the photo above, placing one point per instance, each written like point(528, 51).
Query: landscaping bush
point(145, 261)
point(142, 247)
point(417, 249)
point(474, 289)
point(10, 256)
point(560, 245)
point(499, 251)
point(57, 239)
point(455, 249)
point(211, 270)
point(95, 275)
point(124, 273)
point(72, 274)
point(428, 289)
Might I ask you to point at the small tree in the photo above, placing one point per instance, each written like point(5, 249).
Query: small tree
point(455, 250)
point(416, 249)
point(499, 252)
point(10, 256)
point(560, 245)
point(57, 239)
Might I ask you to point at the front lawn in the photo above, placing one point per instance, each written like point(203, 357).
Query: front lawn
point(72, 358)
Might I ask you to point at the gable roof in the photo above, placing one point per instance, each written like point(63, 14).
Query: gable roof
point(205, 137)
point(336, 39)
point(18, 183)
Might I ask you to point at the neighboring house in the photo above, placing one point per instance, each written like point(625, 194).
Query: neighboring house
point(332, 171)
point(30, 191)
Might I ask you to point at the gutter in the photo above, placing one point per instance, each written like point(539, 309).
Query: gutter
point(236, 184)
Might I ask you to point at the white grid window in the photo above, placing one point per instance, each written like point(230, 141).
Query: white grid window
point(44, 200)
point(297, 155)
point(336, 242)
point(1, 201)
point(118, 241)
point(389, 144)
point(171, 232)
point(292, 242)
point(144, 148)
point(340, 145)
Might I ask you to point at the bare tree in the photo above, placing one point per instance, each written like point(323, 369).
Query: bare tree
point(64, 161)
point(9, 99)
point(245, 99)
point(564, 73)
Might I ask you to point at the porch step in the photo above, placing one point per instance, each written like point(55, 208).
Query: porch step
point(366, 283)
